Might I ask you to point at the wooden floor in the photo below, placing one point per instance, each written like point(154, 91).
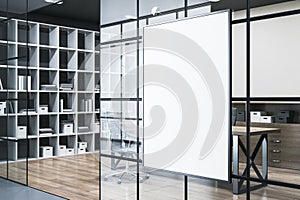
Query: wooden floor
point(76, 178)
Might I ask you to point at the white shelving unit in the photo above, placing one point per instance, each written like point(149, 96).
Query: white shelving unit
point(57, 55)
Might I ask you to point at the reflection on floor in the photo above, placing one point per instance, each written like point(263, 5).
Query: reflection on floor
point(76, 177)
point(13, 191)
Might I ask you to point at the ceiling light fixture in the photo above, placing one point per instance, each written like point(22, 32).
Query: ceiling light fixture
point(59, 2)
point(155, 10)
point(214, 1)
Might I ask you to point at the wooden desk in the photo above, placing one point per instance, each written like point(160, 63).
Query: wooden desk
point(262, 143)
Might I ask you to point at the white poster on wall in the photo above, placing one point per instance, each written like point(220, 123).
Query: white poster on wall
point(186, 96)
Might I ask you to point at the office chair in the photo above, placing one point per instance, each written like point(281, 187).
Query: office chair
point(125, 147)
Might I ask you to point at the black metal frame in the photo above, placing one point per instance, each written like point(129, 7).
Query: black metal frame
point(248, 99)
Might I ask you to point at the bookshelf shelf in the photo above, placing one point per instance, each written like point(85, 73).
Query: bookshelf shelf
point(61, 71)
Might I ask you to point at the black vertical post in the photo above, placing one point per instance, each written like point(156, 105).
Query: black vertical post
point(230, 103)
point(248, 49)
point(137, 100)
point(121, 85)
point(27, 91)
point(185, 8)
point(185, 177)
point(185, 187)
point(7, 96)
point(100, 125)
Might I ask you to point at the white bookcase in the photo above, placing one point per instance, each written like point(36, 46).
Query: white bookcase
point(57, 55)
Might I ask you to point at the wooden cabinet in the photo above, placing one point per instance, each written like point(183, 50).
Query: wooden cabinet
point(284, 147)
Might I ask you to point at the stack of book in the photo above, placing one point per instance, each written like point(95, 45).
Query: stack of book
point(46, 131)
point(48, 87)
point(66, 86)
point(29, 111)
point(82, 129)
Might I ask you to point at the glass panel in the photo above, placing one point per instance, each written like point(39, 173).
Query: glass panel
point(119, 117)
point(63, 101)
point(208, 189)
point(126, 9)
point(199, 11)
point(163, 18)
point(15, 82)
point(239, 60)
point(277, 67)
point(193, 2)
point(157, 6)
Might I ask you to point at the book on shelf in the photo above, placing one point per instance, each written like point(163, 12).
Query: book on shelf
point(29, 111)
point(6, 108)
point(66, 86)
point(86, 105)
point(67, 121)
point(67, 110)
point(61, 105)
point(46, 131)
point(24, 82)
point(46, 134)
point(82, 129)
point(48, 87)
point(1, 86)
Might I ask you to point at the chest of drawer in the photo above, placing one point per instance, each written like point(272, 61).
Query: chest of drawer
point(282, 163)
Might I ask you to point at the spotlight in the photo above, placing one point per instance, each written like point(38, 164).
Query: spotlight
point(59, 2)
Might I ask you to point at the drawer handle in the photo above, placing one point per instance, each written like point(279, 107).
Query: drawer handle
point(276, 161)
point(276, 141)
point(276, 151)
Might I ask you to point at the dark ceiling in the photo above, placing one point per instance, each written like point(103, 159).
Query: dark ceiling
point(85, 13)
point(76, 13)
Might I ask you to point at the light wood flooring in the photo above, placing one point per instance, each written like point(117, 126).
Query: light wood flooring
point(76, 178)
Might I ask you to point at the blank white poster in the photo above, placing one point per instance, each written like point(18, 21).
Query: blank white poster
point(186, 96)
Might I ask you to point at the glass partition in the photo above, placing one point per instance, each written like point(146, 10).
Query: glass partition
point(72, 99)
point(18, 93)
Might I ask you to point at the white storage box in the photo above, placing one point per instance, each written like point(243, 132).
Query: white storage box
point(62, 150)
point(70, 151)
point(82, 145)
point(256, 115)
point(21, 132)
point(43, 109)
point(81, 150)
point(46, 151)
point(267, 119)
point(67, 128)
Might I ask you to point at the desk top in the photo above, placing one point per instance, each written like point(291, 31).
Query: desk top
point(241, 130)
